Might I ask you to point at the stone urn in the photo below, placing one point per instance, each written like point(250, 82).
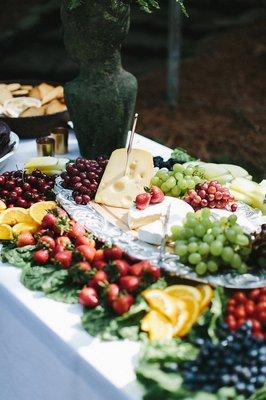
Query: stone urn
point(101, 99)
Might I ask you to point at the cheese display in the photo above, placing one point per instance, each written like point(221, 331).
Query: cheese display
point(124, 179)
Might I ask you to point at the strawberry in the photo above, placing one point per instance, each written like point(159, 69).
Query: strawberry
point(63, 241)
point(99, 264)
point(99, 279)
point(88, 297)
point(112, 292)
point(143, 200)
point(99, 255)
point(41, 256)
point(122, 266)
point(154, 271)
point(46, 242)
point(76, 230)
point(157, 196)
point(87, 252)
point(48, 221)
point(138, 269)
point(122, 304)
point(85, 240)
point(113, 253)
point(129, 283)
point(64, 258)
point(83, 266)
point(25, 239)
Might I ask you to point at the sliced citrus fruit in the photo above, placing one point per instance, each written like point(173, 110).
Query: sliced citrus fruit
point(183, 317)
point(193, 309)
point(23, 227)
point(38, 210)
point(180, 291)
point(2, 205)
point(160, 301)
point(6, 232)
point(157, 326)
point(206, 295)
point(15, 215)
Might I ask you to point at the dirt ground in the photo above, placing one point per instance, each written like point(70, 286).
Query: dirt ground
point(221, 113)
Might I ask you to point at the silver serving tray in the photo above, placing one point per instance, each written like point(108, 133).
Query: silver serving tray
point(94, 222)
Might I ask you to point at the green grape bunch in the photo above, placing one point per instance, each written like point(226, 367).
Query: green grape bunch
point(209, 245)
point(179, 180)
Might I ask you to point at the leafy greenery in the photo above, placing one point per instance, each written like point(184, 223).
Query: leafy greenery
point(158, 372)
point(208, 323)
point(52, 281)
point(145, 5)
point(18, 256)
point(103, 324)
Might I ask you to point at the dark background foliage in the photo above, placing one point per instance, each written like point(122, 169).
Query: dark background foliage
point(221, 109)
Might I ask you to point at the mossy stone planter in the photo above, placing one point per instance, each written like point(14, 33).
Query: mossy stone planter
point(101, 99)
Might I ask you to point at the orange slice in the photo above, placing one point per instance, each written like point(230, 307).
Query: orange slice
point(180, 291)
point(193, 309)
point(24, 227)
point(157, 326)
point(160, 301)
point(15, 215)
point(183, 317)
point(5, 232)
point(38, 210)
point(206, 295)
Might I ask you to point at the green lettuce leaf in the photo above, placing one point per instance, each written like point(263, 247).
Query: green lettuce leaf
point(52, 281)
point(18, 256)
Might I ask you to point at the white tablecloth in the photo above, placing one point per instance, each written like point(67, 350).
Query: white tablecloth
point(44, 352)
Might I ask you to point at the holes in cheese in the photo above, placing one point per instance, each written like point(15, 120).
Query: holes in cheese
point(119, 188)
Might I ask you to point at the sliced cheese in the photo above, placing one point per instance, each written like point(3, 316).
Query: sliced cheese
point(119, 187)
point(178, 211)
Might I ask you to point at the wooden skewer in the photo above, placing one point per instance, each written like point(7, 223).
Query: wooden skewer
point(131, 138)
point(165, 229)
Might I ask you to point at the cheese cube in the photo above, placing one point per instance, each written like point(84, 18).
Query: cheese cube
point(119, 187)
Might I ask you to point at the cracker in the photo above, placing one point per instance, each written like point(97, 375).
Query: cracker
point(33, 112)
point(13, 86)
point(26, 87)
point(35, 92)
point(5, 94)
point(20, 92)
point(44, 89)
point(54, 107)
point(56, 93)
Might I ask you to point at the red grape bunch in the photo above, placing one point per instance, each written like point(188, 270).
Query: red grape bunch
point(83, 177)
point(212, 195)
point(18, 189)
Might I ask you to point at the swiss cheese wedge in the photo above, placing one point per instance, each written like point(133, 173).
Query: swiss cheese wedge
point(120, 184)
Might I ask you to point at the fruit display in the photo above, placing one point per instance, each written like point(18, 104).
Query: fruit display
point(83, 177)
point(174, 310)
point(248, 306)
point(211, 195)
point(209, 245)
point(238, 361)
point(178, 181)
point(19, 189)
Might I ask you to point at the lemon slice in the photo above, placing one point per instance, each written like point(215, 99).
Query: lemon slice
point(160, 301)
point(206, 295)
point(15, 215)
point(180, 291)
point(2, 205)
point(24, 227)
point(157, 326)
point(6, 232)
point(39, 210)
point(193, 310)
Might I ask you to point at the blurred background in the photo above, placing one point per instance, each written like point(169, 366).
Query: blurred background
point(221, 109)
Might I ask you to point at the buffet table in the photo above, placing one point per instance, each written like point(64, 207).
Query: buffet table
point(44, 352)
